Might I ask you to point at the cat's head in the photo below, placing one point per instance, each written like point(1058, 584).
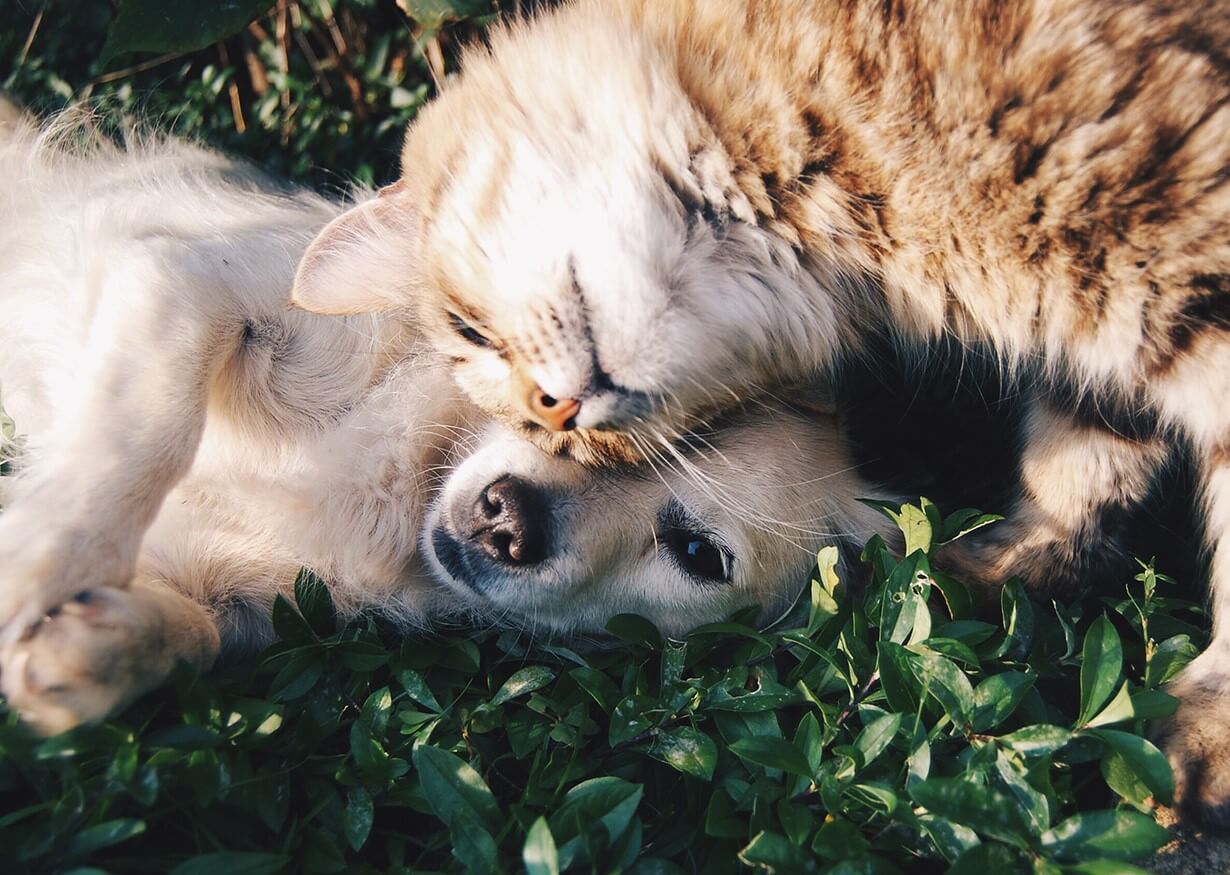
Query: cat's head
point(573, 238)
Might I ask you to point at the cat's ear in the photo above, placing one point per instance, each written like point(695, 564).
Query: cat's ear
point(363, 260)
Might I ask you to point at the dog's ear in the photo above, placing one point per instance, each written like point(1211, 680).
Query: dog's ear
point(364, 260)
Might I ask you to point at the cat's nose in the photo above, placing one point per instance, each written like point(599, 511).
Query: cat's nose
point(557, 414)
point(509, 522)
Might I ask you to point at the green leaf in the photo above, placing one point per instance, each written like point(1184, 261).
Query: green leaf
point(1169, 659)
point(960, 523)
point(773, 753)
point(233, 863)
point(600, 687)
point(473, 845)
point(1153, 704)
point(628, 719)
point(956, 596)
point(104, 835)
point(904, 592)
point(451, 784)
point(608, 803)
point(1010, 771)
point(414, 685)
point(358, 818)
point(982, 809)
point(1039, 740)
point(824, 605)
point(1101, 667)
point(289, 623)
point(839, 840)
point(1147, 762)
point(877, 736)
point(315, 603)
point(1018, 619)
point(795, 819)
point(1118, 835)
point(539, 853)
point(376, 711)
point(635, 629)
point(523, 682)
point(1119, 708)
point(1119, 775)
point(298, 676)
point(182, 26)
point(688, 750)
point(770, 852)
point(943, 680)
point(997, 697)
point(897, 679)
point(916, 527)
point(434, 14)
point(985, 858)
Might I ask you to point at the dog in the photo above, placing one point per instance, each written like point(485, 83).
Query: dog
point(185, 443)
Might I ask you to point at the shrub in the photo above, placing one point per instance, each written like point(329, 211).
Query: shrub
point(897, 729)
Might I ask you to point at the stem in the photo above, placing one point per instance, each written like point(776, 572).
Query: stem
point(858, 698)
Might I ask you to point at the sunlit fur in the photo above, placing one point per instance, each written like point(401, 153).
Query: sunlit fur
point(685, 202)
point(186, 443)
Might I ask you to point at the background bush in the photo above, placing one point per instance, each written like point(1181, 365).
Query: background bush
point(314, 90)
point(899, 729)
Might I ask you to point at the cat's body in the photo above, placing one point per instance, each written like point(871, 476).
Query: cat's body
point(628, 215)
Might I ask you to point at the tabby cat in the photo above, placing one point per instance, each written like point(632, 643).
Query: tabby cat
point(627, 215)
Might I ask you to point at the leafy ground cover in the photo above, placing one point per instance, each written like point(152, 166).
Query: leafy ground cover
point(893, 730)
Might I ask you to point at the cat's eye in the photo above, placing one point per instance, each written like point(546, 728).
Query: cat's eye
point(468, 333)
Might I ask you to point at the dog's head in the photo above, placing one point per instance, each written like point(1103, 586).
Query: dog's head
point(730, 519)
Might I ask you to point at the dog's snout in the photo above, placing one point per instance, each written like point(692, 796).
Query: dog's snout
point(558, 414)
point(509, 522)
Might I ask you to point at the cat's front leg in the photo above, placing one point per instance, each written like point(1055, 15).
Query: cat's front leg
point(1197, 738)
point(96, 653)
point(130, 414)
point(1074, 475)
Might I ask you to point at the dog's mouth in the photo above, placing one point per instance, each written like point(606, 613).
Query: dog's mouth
point(450, 556)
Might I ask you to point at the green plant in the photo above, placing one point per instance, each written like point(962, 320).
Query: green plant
point(314, 90)
point(896, 729)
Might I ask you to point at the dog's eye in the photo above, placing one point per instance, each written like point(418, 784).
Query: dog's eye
point(467, 333)
point(697, 555)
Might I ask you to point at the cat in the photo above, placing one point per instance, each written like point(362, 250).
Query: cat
point(626, 215)
point(185, 443)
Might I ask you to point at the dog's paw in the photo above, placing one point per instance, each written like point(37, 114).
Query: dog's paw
point(48, 559)
point(1196, 740)
point(85, 659)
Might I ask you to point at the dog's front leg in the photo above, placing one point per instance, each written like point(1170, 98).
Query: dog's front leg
point(128, 421)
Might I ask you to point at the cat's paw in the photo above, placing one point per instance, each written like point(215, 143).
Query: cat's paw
point(85, 659)
point(1196, 740)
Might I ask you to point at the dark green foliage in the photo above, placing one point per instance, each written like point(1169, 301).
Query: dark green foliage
point(316, 90)
point(896, 730)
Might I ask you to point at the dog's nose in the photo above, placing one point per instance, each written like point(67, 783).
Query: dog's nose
point(509, 522)
point(558, 414)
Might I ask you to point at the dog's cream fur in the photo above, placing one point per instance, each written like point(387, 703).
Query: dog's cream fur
point(187, 442)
